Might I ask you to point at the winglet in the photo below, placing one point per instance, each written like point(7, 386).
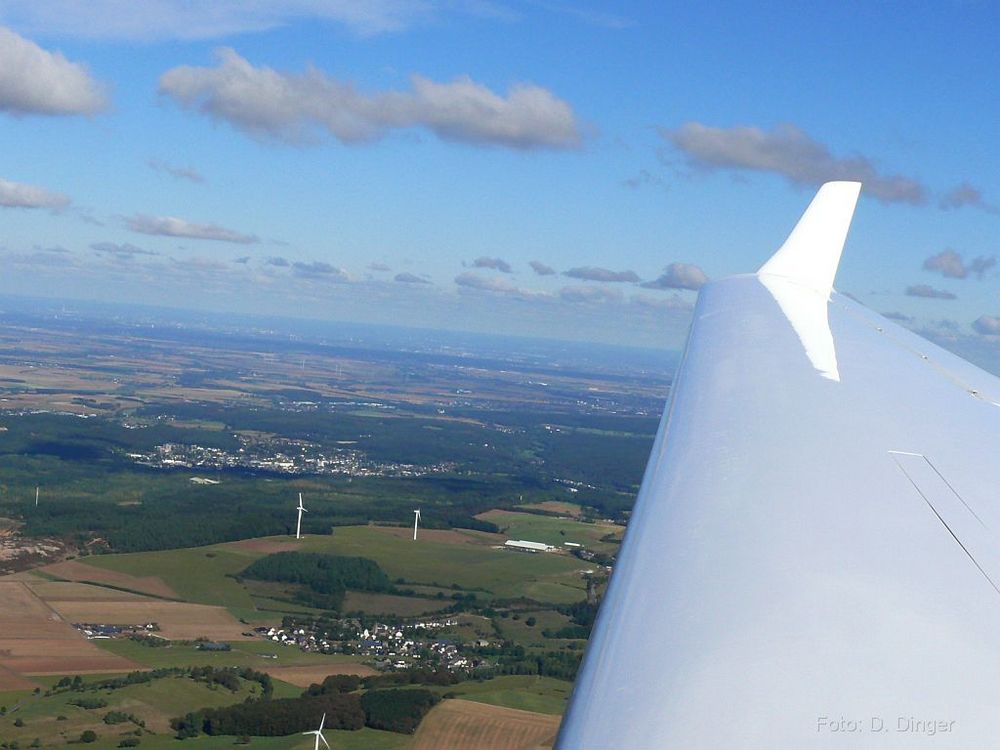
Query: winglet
point(811, 253)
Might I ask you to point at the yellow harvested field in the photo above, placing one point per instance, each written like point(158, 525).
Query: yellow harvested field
point(177, 620)
point(36, 640)
point(456, 724)
point(315, 673)
point(72, 570)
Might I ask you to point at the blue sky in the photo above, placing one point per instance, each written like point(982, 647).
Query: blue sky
point(404, 161)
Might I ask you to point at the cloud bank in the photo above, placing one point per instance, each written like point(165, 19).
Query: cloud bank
point(293, 108)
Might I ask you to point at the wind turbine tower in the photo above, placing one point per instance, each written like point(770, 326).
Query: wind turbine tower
point(298, 528)
point(416, 520)
point(36, 495)
point(319, 734)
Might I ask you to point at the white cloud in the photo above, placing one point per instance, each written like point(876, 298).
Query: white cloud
point(489, 284)
point(923, 290)
point(592, 273)
point(34, 81)
point(787, 151)
point(181, 173)
point(988, 325)
point(967, 195)
point(319, 269)
point(950, 264)
point(205, 19)
point(410, 278)
point(293, 108)
point(19, 195)
point(169, 226)
point(124, 251)
point(679, 276)
point(211, 19)
point(541, 269)
point(497, 264)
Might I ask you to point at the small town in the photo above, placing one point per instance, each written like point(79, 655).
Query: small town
point(280, 456)
point(392, 646)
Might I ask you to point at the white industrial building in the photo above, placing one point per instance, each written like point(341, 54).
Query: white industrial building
point(525, 546)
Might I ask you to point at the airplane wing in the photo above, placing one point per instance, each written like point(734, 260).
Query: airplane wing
point(813, 559)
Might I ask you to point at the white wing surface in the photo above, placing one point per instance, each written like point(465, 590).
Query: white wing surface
point(814, 556)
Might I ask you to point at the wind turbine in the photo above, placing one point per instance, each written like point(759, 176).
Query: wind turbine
point(298, 525)
point(416, 520)
point(319, 734)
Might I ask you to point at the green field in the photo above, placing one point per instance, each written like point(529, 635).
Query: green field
point(499, 572)
point(451, 563)
point(199, 574)
point(154, 702)
point(519, 631)
point(528, 693)
point(204, 574)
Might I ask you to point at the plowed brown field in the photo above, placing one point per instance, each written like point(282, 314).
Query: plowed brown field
point(176, 620)
point(36, 640)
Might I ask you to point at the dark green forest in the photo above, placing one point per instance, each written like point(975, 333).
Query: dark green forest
point(324, 579)
point(91, 489)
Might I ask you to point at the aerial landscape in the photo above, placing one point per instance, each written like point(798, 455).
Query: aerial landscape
point(152, 572)
point(411, 374)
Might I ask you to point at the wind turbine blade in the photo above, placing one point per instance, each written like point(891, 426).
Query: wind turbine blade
point(324, 741)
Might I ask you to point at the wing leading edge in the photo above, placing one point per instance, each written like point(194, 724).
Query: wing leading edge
point(810, 559)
